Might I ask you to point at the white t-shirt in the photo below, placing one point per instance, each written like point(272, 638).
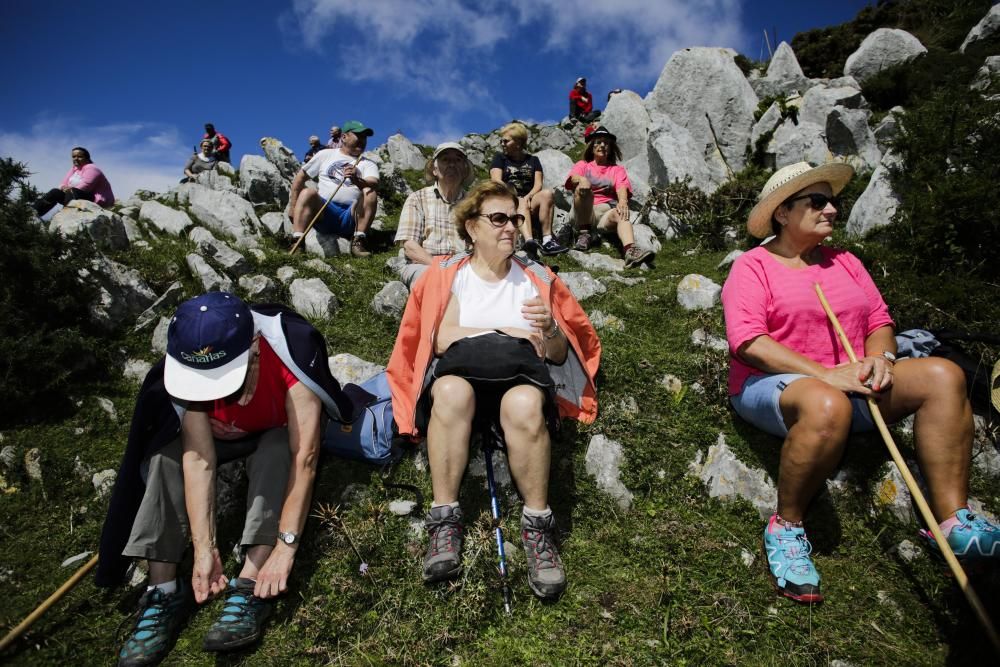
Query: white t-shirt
point(487, 305)
point(328, 165)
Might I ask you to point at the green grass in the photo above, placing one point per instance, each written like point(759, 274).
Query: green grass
point(663, 583)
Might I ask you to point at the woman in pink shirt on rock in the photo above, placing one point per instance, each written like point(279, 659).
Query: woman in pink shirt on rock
point(789, 375)
point(82, 181)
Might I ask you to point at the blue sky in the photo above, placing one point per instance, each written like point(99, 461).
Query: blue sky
point(134, 82)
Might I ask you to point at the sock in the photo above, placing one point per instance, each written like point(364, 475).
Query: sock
point(948, 524)
point(546, 238)
point(533, 512)
point(167, 588)
point(453, 505)
point(776, 520)
point(359, 234)
point(296, 235)
point(625, 248)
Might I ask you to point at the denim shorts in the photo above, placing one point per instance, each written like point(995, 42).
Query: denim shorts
point(337, 219)
point(758, 403)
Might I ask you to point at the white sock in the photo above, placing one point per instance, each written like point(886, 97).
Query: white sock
point(453, 505)
point(296, 235)
point(167, 588)
point(533, 512)
point(546, 238)
point(359, 234)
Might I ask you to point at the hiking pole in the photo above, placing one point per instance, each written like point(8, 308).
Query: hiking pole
point(44, 607)
point(918, 496)
point(320, 211)
point(494, 435)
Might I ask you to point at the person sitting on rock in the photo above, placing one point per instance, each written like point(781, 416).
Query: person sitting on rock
point(597, 181)
point(83, 181)
point(789, 375)
point(204, 160)
point(314, 147)
point(581, 102)
point(425, 227)
point(523, 173)
point(237, 383)
point(335, 135)
point(219, 141)
point(457, 300)
point(346, 193)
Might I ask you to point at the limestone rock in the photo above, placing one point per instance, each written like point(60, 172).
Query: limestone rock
point(595, 261)
point(555, 167)
point(553, 137)
point(261, 182)
point(666, 223)
point(210, 280)
point(103, 482)
point(701, 338)
point(136, 370)
point(312, 298)
point(729, 259)
point(224, 213)
point(319, 265)
point(848, 134)
point(727, 477)
point(987, 76)
point(164, 304)
point(604, 460)
point(391, 300)
point(347, 368)
point(402, 507)
point(403, 154)
point(891, 494)
point(33, 464)
point(600, 320)
point(285, 274)
point(626, 117)
point(214, 180)
point(164, 218)
point(276, 223)
point(122, 293)
point(645, 237)
point(281, 157)
point(696, 292)
point(784, 75)
point(396, 263)
point(326, 245)
point(888, 128)
point(882, 49)
point(793, 143)
point(259, 288)
point(878, 203)
point(158, 342)
point(908, 551)
point(85, 217)
point(820, 100)
point(108, 407)
point(987, 27)
point(768, 123)
point(225, 168)
point(232, 262)
point(701, 83)
point(582, 284)
point(73, 560)
point(676, 153)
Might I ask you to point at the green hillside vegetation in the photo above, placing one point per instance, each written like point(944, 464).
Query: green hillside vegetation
point(666, 582)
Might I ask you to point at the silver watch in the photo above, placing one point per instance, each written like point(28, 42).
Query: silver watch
point(889, 355)
point(291, 539)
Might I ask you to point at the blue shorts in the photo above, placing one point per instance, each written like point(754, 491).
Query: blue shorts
point(758, 403)
point(337, 220)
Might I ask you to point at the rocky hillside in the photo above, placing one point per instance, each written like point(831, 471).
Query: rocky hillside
point(660, 500)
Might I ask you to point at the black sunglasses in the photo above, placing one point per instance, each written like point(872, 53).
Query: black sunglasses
point(817, 200)
point(500, 220)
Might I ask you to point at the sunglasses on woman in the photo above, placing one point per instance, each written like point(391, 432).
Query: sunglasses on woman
point(817, 200)
point(500, 220)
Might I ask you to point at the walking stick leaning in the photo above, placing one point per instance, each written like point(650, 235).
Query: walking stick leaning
point(493, 440)
point(918, 496)
point(320, 211)
point(44, 607)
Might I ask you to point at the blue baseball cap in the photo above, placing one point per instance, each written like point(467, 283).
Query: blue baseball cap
point(208, 347)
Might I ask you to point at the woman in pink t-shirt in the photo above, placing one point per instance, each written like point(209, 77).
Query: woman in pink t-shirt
point(790, 376)
point(601, 191)
point(83, 181)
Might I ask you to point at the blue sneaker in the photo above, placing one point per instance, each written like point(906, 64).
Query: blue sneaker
point(242, 620)
point(158, 621)
point(974, 538)
point(792, 571)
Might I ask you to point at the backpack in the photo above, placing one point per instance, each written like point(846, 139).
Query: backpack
point(369, 436)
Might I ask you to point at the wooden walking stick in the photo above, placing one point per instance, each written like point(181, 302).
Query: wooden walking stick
point(44, 607)
point(320, 211)
point(918, 496)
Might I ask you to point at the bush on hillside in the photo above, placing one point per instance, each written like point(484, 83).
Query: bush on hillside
point(910, 83)
point(47, 339)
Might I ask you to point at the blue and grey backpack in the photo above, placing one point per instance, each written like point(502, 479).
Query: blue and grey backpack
point(369, 437)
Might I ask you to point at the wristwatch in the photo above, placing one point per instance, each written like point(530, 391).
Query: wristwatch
point(291, 539)
point(889, 355)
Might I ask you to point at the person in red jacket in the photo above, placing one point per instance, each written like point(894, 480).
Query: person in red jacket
point(219, 140)
point(581, 102)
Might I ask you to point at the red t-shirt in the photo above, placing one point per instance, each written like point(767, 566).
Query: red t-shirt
point(266, 410)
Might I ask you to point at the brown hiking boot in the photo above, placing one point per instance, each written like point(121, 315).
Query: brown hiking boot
point(358, 247)
point(582, 241)
point(635, 256)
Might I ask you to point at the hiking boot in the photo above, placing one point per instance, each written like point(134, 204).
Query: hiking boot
point(635, 256)
point(546, 575)
point(792, 571)
point(242, 620)
point(160, 616)
point(583, 241)
point(444, 552)
point(974, 538)
point(530, 248)
point(359, 247)
point(552, 247)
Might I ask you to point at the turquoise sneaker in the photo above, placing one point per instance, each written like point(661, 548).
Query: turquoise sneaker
point(974, 538)
point(242, 620)
point(159, 619)
point(792, 571)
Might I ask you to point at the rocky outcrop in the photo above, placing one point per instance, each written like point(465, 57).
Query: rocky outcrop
point(987, 28)
point(85, 217)
point(878, 203)
point(164, 219)
point(675, 154)
point(403, 154)
point(848, 134)
point(122, 293)
point(626, 117)
point(726, 477)
point(261, 182)
point(784, 75)
point(556, 166)
point(882, 49)
point(281, 157)
point(224, 213)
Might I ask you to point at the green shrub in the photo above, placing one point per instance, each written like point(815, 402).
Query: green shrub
point(908, 84)
point(47, 339)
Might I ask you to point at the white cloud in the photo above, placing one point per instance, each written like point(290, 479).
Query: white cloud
point(132, 155)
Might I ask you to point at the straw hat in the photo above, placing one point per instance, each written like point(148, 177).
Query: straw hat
point(787, 181)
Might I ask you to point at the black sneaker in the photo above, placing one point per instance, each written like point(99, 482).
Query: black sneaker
point(552, 247)
point(444, 552)
point(242, 620)
point(530, 248)
point(160, 617)
point(546, 575)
